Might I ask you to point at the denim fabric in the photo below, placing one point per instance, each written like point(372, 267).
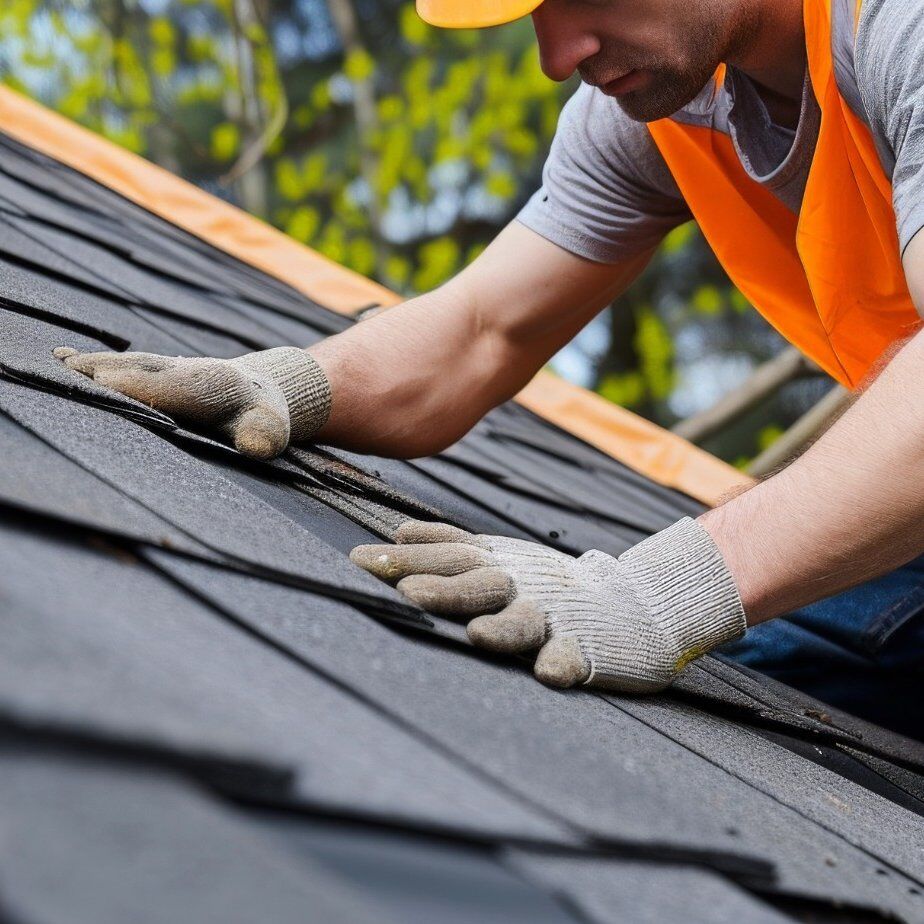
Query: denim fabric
point(861, 651)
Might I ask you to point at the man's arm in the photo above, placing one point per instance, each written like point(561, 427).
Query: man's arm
point(407, 382)
point(848, 510)
point(414, 379)
point(851, 508)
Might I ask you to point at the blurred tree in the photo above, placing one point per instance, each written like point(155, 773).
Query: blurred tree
point(395, 149)
point(400, 163)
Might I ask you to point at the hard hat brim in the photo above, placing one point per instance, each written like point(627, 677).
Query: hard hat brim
point(473, 14)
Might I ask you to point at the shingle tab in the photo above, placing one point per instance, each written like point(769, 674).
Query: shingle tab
point(194, 497)
point(148, 288)
point(26, 346)
point(851, 812)
point(117, 324)
point(418, 880)
point(607, 891)
point(89, 842)
point(36, 478)
point(727, 685)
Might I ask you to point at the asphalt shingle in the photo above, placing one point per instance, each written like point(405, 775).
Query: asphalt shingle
point(193, 496)
point(86, 841)
point(607, 891)
point(539, 742)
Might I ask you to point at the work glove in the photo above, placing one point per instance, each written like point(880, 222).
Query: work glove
point(260, 402)
point(628, 624)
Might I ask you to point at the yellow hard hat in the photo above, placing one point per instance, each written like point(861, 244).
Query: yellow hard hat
point(473, 14)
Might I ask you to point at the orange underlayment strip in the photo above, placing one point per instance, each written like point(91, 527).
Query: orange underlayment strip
point(632, 440)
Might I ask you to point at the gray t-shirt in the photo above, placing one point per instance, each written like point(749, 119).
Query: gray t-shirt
point(608, 195)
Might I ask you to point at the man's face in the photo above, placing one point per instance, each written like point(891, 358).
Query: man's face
point(652, 56)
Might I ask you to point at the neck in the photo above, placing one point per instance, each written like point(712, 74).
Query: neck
point(771, 51)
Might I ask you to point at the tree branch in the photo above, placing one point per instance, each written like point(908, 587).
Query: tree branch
point(768, 378)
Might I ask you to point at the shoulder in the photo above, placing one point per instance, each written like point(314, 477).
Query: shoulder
point(890, 77)
point(595, 136)
point(606, 193)
point(596, 119)
point(889, 52)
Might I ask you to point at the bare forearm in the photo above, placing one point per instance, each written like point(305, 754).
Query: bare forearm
point(848, 510)
point(410, 380)
point(415, 378)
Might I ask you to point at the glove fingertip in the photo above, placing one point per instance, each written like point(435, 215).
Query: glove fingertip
point(260, 433)
point(518, 627)
point(375, 560)
point(561, 663)
point(413, 532)
point(75, 360)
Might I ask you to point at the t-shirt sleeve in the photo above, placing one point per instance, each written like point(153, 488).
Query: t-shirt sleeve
point(890, 75)
point(606, 192)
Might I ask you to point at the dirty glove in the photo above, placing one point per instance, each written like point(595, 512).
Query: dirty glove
point(625, 624)
point(261, 401)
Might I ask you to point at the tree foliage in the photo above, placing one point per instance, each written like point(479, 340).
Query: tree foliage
point(391, 147)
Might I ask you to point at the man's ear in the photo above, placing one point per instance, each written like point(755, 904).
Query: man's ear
point(914, 269)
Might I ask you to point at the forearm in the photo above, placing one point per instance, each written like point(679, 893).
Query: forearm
point(411, 380)
point(850, 509)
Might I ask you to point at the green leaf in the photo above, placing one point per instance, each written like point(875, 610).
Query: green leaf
point(391, 108)
point(289, 181)
point(163, 62)
point(320, 96)
point(161, 31)
point(314, 172)
point(397, 271)
point(679, 238)
point(474, 252)
point(438, 261)
point(303, 224)
point(361, 255)
point(359, 65)
point(225, 142)
point(414, 30)
point(708, 300)
point(501, 185)
point(656, 352)
point(768, 436)
point(738, 302)
point(625, 389)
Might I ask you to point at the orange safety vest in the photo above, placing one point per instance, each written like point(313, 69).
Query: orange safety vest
point(830, 280)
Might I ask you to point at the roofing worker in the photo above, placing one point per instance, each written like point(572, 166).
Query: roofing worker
point(793, 131)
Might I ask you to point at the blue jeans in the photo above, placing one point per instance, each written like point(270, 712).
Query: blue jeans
point(861, 651)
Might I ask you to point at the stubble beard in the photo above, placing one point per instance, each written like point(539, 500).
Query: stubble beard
point(667, 92)
point(670, 87)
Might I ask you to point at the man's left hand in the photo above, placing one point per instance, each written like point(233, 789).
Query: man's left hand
point(628, 624)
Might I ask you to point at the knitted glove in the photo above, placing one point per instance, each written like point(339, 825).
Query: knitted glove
point(627, 624)
point(261, 401)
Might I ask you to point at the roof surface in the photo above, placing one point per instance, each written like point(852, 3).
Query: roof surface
point(207, 713)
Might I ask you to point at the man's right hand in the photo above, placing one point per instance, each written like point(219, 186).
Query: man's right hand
point(261, 401)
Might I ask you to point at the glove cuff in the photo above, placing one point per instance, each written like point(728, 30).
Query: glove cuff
point(302, 382)
point(681, 578)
